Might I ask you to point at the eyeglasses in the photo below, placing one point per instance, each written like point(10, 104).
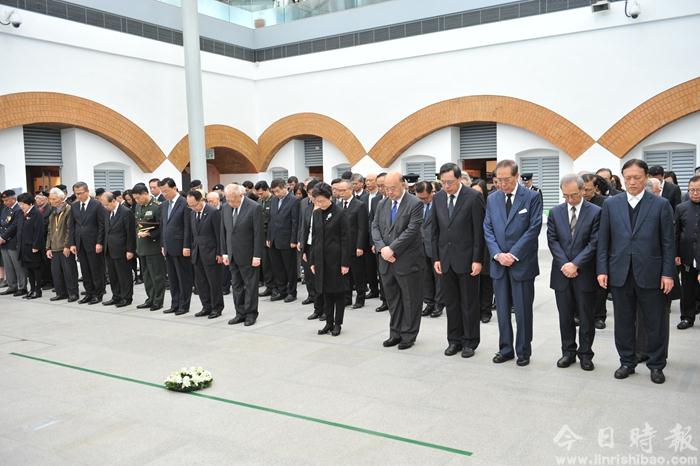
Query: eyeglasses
point(571, 196)
point(694, 190)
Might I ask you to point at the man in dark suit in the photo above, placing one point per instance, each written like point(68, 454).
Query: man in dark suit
point(458, 248)
point(358, 188)
point(607, 176)
point(572, 235)
point(636, 260)
point(120, 249)
point(281, 241)
point(375, 202)
point(371, 259)
point(154, 186)
point(205, 230)
point(175, 225)
point(87, 235)
point(687, 221)
point(306, 208)
point(511, 228)
point(242, 245)
point(265, 198)
point(432, 283)
point(356, 212)
point(669, 191)
point(9, 218)
point(396, 233)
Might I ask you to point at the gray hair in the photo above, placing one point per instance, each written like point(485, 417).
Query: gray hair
point(234, 188)
point(81, 185)
point(58, 193)
point(650, 184)
point(358, 177)
point(570, 178)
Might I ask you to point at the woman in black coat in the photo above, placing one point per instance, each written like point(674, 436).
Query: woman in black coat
point(31, 241)
point(329, 257)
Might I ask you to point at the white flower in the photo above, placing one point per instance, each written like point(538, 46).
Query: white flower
point(186, 382)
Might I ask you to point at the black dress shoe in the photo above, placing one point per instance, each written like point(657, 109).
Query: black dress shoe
point(600, 324)
point(124, 303)
point(372, 295)
point(467, 352)
point(145, 305)
point(21, 292)
point(170, 311)
point(307, 301)
point(313, 316)
point(336, 330)
point(72, 299)
point(58, 298)
point(9, 291)
point(436, 313)
point(47, 287)
point(327, 328)
point(577, 321)
point(265, 292)
point(214, 314)
point(391, 342)
point(383, 307)
point(358, 305)
point(34, 294)
point(181, 312)
point(138, 281)
point(249, 321)
point(587, 365)
point(95, 300)
point(453, 349)
point(486, 318)
point(26, 296)
point(202, 313)
point(156, 307)
point(623, 372)
point(84, 300)
point(657, 376)
point(322, 317)
point(111, 302)
point(427, 310)
point(499, 358)
point(522, 362)
point(290, 299)
point(684, 324)
point(236, 320)
point(227, 291)
point(405, 345)
point(277, 297)
point(566, 361)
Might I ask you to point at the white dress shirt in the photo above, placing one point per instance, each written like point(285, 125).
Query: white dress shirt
point(634, 200)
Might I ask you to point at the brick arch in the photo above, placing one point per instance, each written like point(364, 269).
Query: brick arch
point(652, 115)
point(308, 124)
point(27, 108)
point(481, 108)
point(219, 136)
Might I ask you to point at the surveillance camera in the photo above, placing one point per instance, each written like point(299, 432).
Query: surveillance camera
point(15, 19)
point(633, 9)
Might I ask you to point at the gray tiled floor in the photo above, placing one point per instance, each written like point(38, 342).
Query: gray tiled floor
point(503, 414)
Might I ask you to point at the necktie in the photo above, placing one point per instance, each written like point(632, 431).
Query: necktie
point(235, 215)
point(170, 207)
point(279, 205)
point(345, 204)
point(394, 210)
point(572, 223)
point(451, 205)
point(82, 207)
point(199, 216)
point(509, 204)
point(427, 212)
point(111, 216)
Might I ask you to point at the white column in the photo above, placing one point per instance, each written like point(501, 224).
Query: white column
point(193, 82)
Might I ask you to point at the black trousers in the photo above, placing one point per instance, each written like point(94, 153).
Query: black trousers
point(570, 302)
point(690, 293)
point(333, 307)
point(226, 285)
point(485, 294)
point(120, 279)
point(180, 278)
point(33, 272)
point(153, 269)
point(92, 268)
point(208, 278)
point(64, 271)
point(358, 278)
point(461, 294)
point(652, 308)
point(46, 278)
point(266, 276)
point(308, 275)
point(432, 285)
point(371, 272)
point(244, 280)
point(284, 264)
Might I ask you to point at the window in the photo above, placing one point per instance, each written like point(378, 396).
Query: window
point(109, 180)
point(340, 169)
point(313, 152)
point(477, 141)
point(545, 175)
point(682, 162)
point(42, 146)
point(424, 170)
point(279, 173)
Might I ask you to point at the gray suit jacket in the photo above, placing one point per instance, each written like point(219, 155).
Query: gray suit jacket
point(244, 240)
point(404, 236)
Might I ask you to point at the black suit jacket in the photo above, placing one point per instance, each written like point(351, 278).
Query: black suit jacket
point(205, 235)
point(358, 224)
point(245, 240)
point(87, 228)
point(580, 249)
point(687, 221)
point(175, 230)
point(283, 227)
point(373, 207)
point(30, 235)
point(120, 233)
point(8, 226)
point(672, 193)
point(306, 208)
point(331, 249)
point(458, 241)
point(364, 197)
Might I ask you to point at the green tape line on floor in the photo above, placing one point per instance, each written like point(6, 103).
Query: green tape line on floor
point(259, 408)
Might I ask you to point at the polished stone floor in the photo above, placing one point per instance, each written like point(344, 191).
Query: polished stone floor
point(502, 414)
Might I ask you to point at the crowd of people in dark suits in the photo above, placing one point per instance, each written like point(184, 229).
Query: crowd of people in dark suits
point(420, 247)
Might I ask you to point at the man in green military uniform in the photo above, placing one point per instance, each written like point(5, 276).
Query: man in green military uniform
point(147, 215)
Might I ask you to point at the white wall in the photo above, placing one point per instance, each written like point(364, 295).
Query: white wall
point(332, 157)
point(12, 159)
point(437, 145)
point(677, 135)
